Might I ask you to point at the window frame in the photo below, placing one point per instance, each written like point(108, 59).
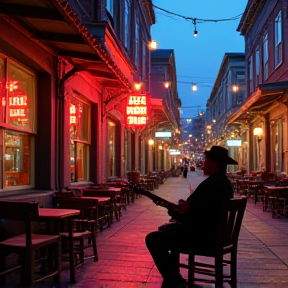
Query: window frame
point(278, 40)
point(78, 141)
point(265, 55)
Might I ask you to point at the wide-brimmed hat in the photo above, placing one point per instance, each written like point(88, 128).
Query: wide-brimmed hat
point(220, 155)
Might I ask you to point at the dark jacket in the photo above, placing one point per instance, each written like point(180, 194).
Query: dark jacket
point(200, 220)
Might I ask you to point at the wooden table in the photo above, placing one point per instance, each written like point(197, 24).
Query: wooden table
point(278, 196)
point(100, 199)
point(58, 215)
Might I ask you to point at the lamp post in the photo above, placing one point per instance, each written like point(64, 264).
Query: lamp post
point(258, 133)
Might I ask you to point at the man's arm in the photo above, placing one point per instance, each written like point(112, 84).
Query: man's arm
point(179, 210)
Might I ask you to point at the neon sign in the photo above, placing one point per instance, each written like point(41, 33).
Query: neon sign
point(136, 110)
point(73, 117)
point(18, 106)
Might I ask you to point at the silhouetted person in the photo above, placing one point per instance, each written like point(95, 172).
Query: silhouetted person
point(185, 171)
point(196, 217)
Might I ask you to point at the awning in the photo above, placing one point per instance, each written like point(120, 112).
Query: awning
point(260, 102)
point(161, 116)
point(92, 48)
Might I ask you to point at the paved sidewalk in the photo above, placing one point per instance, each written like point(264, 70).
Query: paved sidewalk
point(124, 261)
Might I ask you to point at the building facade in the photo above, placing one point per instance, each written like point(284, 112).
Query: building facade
point(228, 94)
point(165, 114)
point(264, 25)
point(67, 69)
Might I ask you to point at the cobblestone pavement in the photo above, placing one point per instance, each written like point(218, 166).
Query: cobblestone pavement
point(124, 261)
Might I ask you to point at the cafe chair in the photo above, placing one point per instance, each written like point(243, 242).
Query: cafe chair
point(27, 245)
point(226, 242)
point(84, 227)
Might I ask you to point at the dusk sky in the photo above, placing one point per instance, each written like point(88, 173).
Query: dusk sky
point(198, 59)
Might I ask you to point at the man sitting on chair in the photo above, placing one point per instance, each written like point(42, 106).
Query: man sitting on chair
point(196, 218)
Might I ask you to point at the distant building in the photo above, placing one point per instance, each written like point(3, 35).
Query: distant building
point(228, 94)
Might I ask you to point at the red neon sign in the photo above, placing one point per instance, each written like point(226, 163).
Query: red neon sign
point(73, 116)
point(18, 106)
point(136, 110)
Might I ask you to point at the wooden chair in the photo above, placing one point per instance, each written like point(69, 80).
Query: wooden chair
point(84, 235)
point(226, 242)
point(27, 244)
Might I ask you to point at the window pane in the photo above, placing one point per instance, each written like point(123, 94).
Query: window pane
point(109, 6)
point(20, 97)
point(111, 149)
point(79, 120)
point(2, 88)
point(81, 162)
point(72, 161)
point(16, 159)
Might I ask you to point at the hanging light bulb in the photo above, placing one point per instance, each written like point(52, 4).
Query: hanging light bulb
point(195, 30)
point(194, 87)
point(166, 84)
point(152, 45)
point(137, 86)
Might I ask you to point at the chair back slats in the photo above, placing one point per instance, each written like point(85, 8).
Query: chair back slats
point(14, 210)
point(96, 193)
point(86, 206)
point(235, 213)
point(23, 211)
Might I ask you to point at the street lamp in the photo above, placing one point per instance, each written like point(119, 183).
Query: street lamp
point(258, 131)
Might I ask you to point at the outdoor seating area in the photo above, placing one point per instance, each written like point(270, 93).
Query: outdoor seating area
point(265, 187)
point(71, 225)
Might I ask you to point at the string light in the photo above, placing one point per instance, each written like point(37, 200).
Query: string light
point(195, 30)
point(198, 20)
point(152, 45)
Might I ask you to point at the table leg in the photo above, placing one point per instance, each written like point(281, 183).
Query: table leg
point(71, 251)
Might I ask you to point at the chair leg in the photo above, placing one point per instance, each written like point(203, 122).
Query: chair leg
point(233, 268)
point(191, 264)
point(57, 262)
point(28, 268)
point(93, 237)
point(219, 271)
point(2, 268)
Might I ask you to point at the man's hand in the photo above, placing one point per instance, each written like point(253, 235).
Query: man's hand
point(184, 207)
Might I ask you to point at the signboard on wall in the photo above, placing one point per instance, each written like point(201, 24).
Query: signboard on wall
point(163, 134)
point(234, 142)
point(174, 152)
point(136, 110)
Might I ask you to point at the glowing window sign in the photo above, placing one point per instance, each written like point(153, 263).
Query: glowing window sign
point(234, 142)
point(136, 110)
point(174, 152)
point(163, 134)
point(18, 106)
point(73, 117)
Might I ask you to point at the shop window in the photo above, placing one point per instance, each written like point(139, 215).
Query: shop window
point(79, 140)
point(17, 91)
point(18, 101)
point(79, 165)
point(16, 159)
point(111, 149)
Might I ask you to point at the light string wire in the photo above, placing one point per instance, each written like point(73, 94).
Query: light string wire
point(197, 20)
